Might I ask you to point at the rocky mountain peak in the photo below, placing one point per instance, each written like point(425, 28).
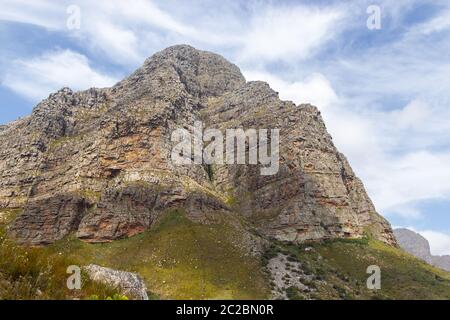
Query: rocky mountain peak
point(201, 73)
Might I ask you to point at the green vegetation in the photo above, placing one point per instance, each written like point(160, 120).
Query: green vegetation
point(210, 171)
point(33, 273)
point(90, 194)
point(116, 296)
point(180, 259)
point(339, 269)
point(7, 216)
point(57, 143)
point(293, 293)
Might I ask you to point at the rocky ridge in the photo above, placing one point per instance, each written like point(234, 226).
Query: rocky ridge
point(97, 163)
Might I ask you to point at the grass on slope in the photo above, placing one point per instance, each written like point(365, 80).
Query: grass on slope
point(178, 259)
point(32, 273)
point(340, 268)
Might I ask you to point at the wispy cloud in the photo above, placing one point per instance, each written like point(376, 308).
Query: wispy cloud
point(288, 33)
point(314, 89)
point(37, 77)
point(41, 13)
point(121, 29)
point(439, 23)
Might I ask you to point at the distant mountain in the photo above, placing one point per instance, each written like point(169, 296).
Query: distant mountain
point(441, 262)
point(419, 247)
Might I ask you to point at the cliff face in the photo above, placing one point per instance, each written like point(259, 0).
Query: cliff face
point(98, 162)
point(419, 247)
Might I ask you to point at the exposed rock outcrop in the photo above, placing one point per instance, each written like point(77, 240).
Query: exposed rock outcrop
point(287, 274)
point(419, 247)
point(97, 162)
point(130, 284)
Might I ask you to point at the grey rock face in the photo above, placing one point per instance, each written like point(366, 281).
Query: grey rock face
point(129, 284)
point(419, 247)
point(97, 162)
point(50, 219)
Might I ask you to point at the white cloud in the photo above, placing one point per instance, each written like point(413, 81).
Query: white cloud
point(37, 77)
point(148, 13)
point(127, 32)
point(414, 115)
point(398, 184)
point(394, 153)
point(314, 89)
point(122, 31)
point(437, 24)
point(118, 28)
point(439, 242)
point(121, 45)
point(286, 33)
point(37, 12)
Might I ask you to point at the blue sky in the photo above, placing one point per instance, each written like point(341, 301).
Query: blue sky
point(384, 93)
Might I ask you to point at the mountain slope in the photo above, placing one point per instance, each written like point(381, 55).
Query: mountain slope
point(181, 259)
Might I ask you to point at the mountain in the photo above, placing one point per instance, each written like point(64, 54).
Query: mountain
point(98, 162)
point(89, 178)
point(419, 247)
